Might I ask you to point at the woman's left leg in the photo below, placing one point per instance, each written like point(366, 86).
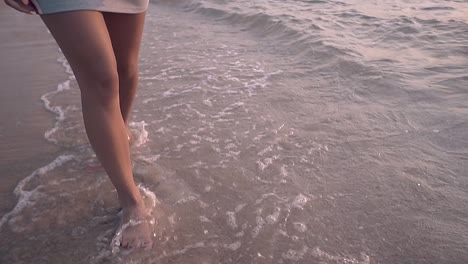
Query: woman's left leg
point(125, 31)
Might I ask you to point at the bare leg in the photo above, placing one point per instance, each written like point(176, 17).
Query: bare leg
point(125, 31)
point(85, 42)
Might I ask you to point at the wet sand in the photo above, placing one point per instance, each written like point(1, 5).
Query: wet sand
point(27, 71)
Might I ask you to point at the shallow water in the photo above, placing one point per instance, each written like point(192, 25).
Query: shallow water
point(272, 132)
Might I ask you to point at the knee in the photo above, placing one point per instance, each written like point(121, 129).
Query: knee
point(101, 85)
point(128, 72)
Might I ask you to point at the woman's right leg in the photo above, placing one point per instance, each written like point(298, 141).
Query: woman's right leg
point(85, 42)
point(125, 31)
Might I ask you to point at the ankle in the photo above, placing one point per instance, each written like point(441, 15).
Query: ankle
point(130, 199)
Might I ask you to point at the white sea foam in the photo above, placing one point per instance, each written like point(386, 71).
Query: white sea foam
point(273, 218)
point(301, 227)
point(67, 66)
point(147, 100)
point(187, 198)
point(299, 201)
point(150, 195)
point(266, 195)
point(55, 109)
point(211, 139)
point(204, 219)
point(150, 158)
point(284, 172)
point(139, 133)
point(317, 252)
point(262, 165)
point(230, 146)
point(231, 219)
point(58, 110)
point(199, 114)
point(260, 223)
point(234, 246)
point(180, 251)
point(26, 197)
point(295, 254)
point(172, 92)
point(166, 108)
point(239, 207)
point(265, 150)
point(228, 110)
point(208, 102)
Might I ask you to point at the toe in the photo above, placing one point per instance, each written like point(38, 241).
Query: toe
point(147, 245)
point(124, 244)
point(127, 243)
point(137, 243)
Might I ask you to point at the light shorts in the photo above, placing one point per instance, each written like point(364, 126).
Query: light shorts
point(114, 6)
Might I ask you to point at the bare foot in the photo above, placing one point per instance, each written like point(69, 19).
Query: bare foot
point(136, 229)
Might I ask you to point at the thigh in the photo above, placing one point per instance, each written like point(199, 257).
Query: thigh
point(125, 31)
point(84, 40)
